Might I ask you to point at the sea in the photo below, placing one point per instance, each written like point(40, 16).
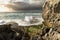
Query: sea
point(20, 14)
point(19, 17)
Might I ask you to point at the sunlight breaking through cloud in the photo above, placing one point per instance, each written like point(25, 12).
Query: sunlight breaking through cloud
point(4, 1)
point(5, 9)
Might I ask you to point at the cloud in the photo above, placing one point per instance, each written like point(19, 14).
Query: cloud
point(4, 1)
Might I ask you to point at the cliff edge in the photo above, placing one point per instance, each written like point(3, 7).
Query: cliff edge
point(51, 12)
point(51, 16)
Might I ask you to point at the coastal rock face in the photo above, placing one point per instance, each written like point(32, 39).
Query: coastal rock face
point(52, 35)
point(51, 16)
point(51, 12)
point(10, 32)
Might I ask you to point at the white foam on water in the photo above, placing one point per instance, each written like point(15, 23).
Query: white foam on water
point(21, 22)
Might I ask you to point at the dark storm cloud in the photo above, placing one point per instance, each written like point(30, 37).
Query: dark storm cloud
point(24, 5)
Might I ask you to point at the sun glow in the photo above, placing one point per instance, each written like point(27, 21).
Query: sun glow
point(4, 1)
point(5, 9)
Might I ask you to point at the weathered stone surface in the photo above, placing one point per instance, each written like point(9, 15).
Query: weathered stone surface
point(51, 16)
point(51, 12)
point(52, 35)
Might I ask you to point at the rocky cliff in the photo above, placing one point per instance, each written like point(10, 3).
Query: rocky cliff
point(51, 16)
point(51, 12)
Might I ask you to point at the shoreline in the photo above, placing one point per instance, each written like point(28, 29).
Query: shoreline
point(20, 22)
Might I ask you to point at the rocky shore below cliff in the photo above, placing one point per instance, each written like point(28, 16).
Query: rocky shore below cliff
point(39, 32)
point(13, 31)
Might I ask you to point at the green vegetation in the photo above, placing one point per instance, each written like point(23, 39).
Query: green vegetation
point(33, 30)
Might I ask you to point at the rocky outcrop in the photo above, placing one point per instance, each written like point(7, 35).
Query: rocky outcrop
point(12, 31)
point(51, 16)
point(51, 12)
point(52, 35)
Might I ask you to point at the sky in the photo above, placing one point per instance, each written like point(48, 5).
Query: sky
point(27, 1)
point(3, 8)
point(4, 1)
point(1, 1)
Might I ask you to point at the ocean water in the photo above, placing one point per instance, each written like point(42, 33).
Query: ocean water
point(19, 15)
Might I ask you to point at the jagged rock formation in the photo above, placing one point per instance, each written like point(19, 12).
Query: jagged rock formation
point(51, 16)
point(52, 35)
point(51, 12)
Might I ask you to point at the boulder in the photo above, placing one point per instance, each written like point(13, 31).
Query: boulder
point(14, 26)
